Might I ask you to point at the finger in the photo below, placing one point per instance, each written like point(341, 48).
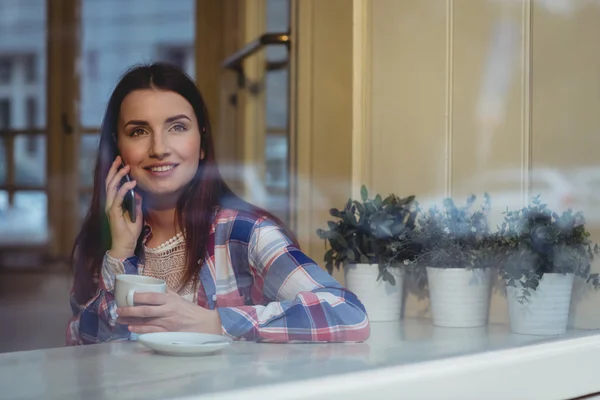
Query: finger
point(146, 329)
point(114, 168)
point(134, 320)
point(117, 205)
point(141, 312)
point(112, 171)
point(113, 185)
point(141, 321)
point(150, 298)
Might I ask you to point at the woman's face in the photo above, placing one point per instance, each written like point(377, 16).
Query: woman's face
point(159, 138)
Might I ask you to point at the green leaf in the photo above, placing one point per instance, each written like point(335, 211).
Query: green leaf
point(329, 267)
point(337, 237)
point(350, 255)
point(378, 201)
point(390, 278)
point(389, 200)
point(348, 205)
point(352, 220)
point(370, 208)
point(385, 230)
point(364, 194)
point(328, 258)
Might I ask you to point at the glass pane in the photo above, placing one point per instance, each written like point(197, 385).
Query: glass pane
point(278, 20)
point(30, 160)
point(3, 165)
point(88, 147)
point(26, 220)
point(5, 113)
point(3, 202)
point(22, 64)
point(276, 177)
point(277, 99)
point(276, 159)
point(117, 34)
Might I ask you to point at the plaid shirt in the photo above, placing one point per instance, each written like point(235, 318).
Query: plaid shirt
point(264, 288)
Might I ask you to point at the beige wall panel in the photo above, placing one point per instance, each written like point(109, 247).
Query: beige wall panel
point(408, 92)
point(324, 126)
point(487, 46)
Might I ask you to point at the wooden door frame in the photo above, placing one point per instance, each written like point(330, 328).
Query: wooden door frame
point(63, 127)
point(222, 28)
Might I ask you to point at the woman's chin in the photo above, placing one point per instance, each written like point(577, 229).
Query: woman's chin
point(162, 193)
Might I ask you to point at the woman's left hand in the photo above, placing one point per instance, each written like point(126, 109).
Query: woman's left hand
point(168, 312)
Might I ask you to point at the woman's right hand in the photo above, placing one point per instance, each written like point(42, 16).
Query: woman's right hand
point(124, 233)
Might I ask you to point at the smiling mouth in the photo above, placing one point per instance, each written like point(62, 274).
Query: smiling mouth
point(161, 168)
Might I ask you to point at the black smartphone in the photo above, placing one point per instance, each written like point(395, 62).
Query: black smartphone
point(129, 199)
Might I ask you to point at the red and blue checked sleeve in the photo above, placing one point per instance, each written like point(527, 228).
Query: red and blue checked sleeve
point(300, 301)
point(96, 320)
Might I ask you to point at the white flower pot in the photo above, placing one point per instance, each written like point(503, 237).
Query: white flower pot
point(382, 301)
point(546, 311)
point(460, 298)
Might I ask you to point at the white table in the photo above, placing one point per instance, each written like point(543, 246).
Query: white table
point(409, 360)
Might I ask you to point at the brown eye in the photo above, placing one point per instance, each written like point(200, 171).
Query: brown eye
point(137, 132)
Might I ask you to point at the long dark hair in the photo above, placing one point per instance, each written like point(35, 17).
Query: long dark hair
point(195, 208)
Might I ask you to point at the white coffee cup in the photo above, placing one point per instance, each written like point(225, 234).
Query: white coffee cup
point(126, 286)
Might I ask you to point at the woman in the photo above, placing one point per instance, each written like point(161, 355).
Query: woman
point(231, 268)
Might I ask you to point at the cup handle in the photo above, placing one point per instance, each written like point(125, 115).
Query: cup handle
point(130, 294)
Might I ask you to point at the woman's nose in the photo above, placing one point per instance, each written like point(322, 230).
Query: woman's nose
point(160, 146)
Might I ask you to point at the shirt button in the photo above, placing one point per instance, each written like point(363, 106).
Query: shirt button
point(214, 297)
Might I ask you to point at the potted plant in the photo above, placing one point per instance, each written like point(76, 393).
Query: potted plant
point(543, 252)
point(457, 255)
point(370, 239)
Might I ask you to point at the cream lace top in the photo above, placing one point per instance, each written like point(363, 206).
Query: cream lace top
point(168, 262)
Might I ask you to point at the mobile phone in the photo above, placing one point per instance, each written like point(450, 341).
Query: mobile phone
point(129, 199)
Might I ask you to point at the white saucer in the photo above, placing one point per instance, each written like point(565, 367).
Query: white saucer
point(184, 343)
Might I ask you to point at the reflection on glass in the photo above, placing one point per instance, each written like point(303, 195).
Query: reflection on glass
point(22, 64)
point(278, 20)
point(277, 169)
point(23, 106)
point(278, 15)
point(2, 162)
point(25, 222)
point(277, 99)
point(119, 33)
point(84, 204)
point(88, 147)
point(30, 160)
point(3, 202)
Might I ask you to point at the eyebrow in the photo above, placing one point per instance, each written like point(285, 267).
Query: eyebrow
point(167, 121)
